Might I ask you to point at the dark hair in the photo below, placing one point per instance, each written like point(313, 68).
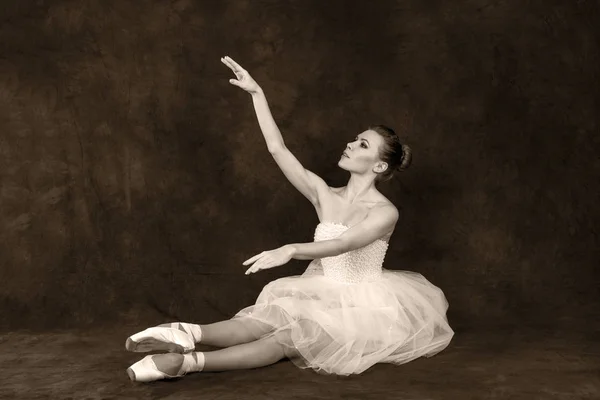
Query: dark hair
point(398, 156)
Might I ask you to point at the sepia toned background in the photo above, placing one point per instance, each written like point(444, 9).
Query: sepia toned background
point(134, 179)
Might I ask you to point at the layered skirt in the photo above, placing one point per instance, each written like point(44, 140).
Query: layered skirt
point(341, 328)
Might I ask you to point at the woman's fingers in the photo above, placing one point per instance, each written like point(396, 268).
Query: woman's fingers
point(258, 266)
point(231, 66)
point(227, 62)
point(238, 73)
point(254, 267)
point(251, 270)
point(251, 260)
point(236, 65)
point(263, 261)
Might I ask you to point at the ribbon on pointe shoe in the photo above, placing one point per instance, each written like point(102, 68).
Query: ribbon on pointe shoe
point(191, 329)
point(161, 338)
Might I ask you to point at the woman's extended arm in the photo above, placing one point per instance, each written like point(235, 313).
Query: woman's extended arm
point(379, 221)
point(377, 224)
point(320, 249)
point(307, 182)
point(266, 122)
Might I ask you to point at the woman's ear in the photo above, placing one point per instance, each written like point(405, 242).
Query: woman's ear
point(381, 166)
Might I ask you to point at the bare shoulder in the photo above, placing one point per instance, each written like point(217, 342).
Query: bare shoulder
point(379, 200)
point(384, 206)
point(388, 208)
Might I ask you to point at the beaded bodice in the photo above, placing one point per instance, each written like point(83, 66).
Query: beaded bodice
point(359, 265)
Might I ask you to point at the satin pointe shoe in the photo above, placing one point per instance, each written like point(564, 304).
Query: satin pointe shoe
point(191, 329)
point(160, 338)
point(145, 370)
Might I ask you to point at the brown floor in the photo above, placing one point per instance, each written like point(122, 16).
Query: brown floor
point(487, 364)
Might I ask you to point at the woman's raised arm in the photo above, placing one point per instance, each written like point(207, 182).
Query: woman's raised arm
point(307, 182)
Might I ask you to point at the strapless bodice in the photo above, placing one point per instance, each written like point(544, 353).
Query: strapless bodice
point(359, 265)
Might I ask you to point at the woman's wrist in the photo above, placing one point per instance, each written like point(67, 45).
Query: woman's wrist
point(257, 92)
point(292, 249)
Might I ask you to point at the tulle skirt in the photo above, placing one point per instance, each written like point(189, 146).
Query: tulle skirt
point(340, 328)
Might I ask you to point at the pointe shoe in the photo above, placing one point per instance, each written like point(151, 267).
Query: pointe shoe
point(160, 338)
point(145, 370)
point(191, 329)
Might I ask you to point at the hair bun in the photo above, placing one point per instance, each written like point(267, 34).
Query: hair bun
point(406, 158)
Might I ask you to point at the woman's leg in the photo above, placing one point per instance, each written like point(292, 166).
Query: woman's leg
point(258, 353)
point(230, 332)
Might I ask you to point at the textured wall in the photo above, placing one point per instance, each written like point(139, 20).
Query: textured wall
point(134, 179)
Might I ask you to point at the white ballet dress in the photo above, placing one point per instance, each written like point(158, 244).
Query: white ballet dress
point(346, 313)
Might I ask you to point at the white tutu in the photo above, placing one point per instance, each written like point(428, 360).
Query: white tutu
point(343, 328)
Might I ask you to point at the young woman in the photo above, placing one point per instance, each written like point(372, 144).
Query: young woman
point(346, 312)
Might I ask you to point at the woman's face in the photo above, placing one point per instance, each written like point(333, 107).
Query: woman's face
point(362, 152)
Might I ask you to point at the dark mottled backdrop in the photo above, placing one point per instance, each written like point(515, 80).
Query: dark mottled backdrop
point(135, 180)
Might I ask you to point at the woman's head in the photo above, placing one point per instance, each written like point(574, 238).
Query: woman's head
point(378, 149)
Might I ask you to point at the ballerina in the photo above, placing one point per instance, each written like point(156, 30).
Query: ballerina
point(346, 312)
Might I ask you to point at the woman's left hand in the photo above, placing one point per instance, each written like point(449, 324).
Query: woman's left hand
point(269, 259)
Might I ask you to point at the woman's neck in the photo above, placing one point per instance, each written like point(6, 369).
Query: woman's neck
point(358, 188)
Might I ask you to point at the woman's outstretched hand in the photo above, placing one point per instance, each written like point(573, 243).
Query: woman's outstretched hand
point(244, 80)
point(270, 259)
